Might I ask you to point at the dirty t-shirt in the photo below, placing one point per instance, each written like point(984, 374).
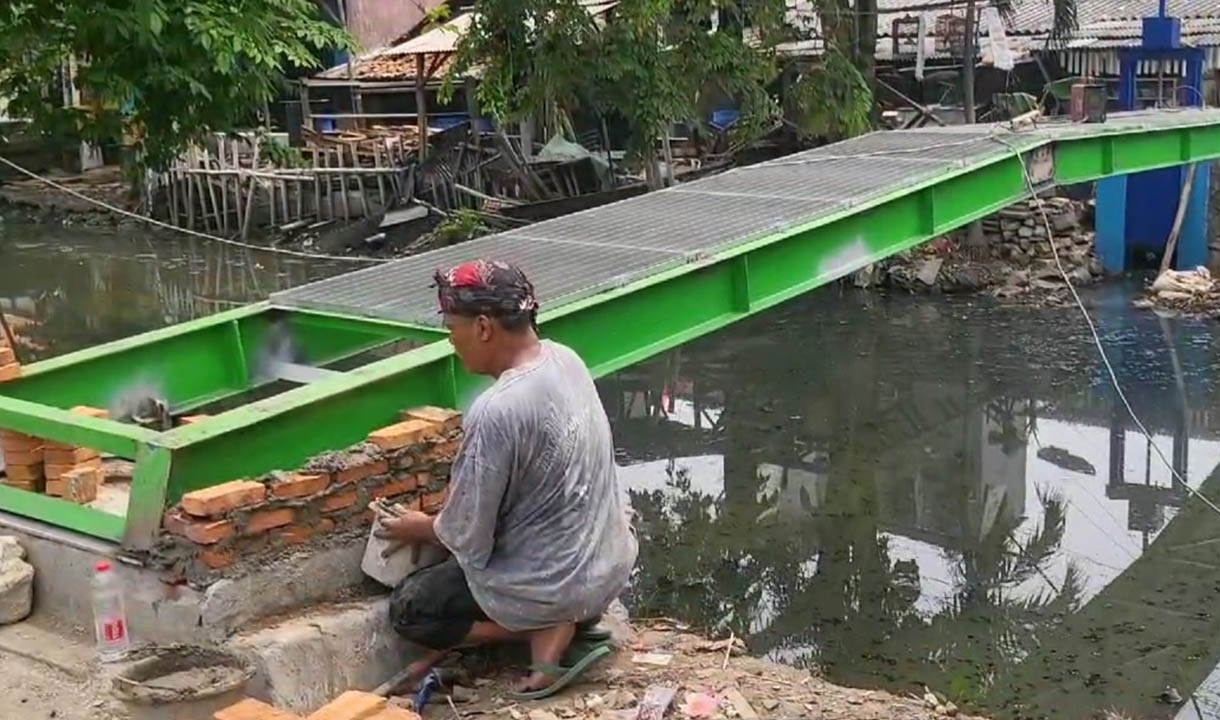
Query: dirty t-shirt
point(535, 516)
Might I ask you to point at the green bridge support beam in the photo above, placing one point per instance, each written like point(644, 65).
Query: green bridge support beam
point(216, 358)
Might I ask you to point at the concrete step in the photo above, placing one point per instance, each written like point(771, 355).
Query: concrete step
point(304, 661)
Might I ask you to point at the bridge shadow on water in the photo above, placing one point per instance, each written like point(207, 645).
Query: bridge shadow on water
point(901, 491)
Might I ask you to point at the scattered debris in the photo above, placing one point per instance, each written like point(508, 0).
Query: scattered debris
point(740, 704)
point(657, 659)
point(656, 701)
point(1186, 292)
point(700, 705)
point(1170, 695)
point(1021, 261)
point(16, 582)
point(1062, 458)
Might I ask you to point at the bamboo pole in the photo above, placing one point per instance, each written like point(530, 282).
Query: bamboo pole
point(224, 184)
point(380, 181)
point(364, 200)
point(317, 187)
point(347, 211)
point(245, 227)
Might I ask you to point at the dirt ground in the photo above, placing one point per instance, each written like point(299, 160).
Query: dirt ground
point(709, 679)
point(33, 690)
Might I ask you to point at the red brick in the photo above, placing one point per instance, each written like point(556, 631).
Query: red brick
point(7, 356)
point(91, 412)
point(433, 502)
point(300, 485)
point(251, 709)
point(403, 434)
point(447, 420)
point(70, 456)
point(23, 457)
point(338, 501)
point(24, 473)
point(200, 532)
point(405, 484)
point(218, 558)
point(222, 498)
point(264, 520)
point(19, 442)
point(444, 451)
point(351, 705)
point(55, 471)
point(192, 419)
point(11, 371)
point(360, 472)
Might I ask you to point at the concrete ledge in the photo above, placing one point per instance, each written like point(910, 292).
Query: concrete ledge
point(305, 661)
point(164, 613)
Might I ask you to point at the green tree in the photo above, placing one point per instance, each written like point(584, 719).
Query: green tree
point(165, 73)
point(652, 62)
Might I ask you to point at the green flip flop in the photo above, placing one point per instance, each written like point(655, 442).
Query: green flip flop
point(565, 675)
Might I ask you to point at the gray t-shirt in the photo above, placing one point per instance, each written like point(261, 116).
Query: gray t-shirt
point(535, 516)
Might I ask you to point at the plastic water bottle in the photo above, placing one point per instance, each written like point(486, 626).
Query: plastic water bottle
point(109, 619)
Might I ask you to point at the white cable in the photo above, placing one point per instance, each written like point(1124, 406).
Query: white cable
point(205, 236)
point(1093, 328)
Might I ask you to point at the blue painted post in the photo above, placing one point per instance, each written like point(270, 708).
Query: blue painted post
point(1128, 63)
point(1192, 243)
point(1111, 223)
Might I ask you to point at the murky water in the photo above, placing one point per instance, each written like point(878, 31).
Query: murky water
point(896, 491)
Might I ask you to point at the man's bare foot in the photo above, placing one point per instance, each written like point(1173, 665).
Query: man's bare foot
point(546, 648)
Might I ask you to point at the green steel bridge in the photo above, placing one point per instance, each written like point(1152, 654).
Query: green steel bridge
point(618, 283)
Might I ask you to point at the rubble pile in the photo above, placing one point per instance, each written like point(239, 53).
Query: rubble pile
point(1018, 260)
point(1186, 292)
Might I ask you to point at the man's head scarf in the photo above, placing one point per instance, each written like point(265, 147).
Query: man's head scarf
point(486, 287)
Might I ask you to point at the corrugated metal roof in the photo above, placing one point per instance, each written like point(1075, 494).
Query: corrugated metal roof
point(437, 40)
point(1033, 17)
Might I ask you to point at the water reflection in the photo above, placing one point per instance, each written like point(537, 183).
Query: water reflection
point(63, 289)
point(900, 492)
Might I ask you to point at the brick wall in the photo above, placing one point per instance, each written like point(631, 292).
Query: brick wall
point(213, 529)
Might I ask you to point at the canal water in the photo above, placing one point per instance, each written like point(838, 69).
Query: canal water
point(898, 492)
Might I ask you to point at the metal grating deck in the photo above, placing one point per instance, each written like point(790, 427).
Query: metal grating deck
point(605, 247)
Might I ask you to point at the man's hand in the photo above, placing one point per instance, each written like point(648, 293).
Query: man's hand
point(411, 526)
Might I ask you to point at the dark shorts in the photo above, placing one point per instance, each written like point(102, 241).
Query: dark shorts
point(434, 607)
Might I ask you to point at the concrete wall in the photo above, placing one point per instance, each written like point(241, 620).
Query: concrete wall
point(375, 23)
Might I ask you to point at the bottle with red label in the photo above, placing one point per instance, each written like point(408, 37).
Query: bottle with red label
point(109, 618)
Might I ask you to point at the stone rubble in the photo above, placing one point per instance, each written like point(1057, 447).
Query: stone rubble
point(16, 582)
point(1019, 262)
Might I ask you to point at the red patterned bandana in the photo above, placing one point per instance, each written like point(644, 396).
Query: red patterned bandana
point(486, 287)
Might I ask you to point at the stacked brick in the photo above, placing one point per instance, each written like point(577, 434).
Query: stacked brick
point(74, 472)
point(10, 369)
point(351, 705)
point(407, 463)
point(22, 461)
point(37, 465)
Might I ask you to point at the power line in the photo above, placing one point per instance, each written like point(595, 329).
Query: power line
point(1029, 183)
point(185, 231)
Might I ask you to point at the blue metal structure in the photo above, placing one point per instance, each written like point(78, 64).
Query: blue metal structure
point(1135, 213)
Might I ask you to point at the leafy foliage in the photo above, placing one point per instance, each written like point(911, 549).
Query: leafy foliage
point(831, 100)
point(652, 62)
point(167, 73)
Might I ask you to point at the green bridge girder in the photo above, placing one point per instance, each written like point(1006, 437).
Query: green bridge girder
point(218, 358)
